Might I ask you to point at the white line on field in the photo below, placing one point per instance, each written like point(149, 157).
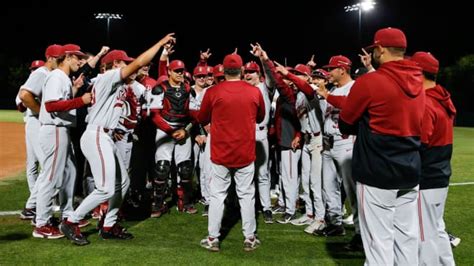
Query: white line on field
point(5, 213)
point(462, 184)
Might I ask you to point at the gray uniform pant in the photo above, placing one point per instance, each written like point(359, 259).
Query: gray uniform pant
point(34, 156)
point(166, 146)
point(245, 188)
point(59, 173)
point(337, 166)
point(110, 176)
point(311, 179)
point(389, 225)
point(261, 169)
point(289, 178)
point(203, 157)
point(435, 248)
point(125, 149)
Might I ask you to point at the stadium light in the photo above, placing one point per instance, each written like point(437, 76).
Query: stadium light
point(364, 6)
point(108, 17)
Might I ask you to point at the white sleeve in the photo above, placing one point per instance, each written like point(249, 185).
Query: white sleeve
point(35, 82)
point(51, 89)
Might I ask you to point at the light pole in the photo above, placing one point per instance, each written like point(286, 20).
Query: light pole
point(363, 6)
point(108, 17)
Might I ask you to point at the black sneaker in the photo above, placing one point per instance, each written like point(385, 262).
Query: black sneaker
point(27, 214)
point(267, 217)
point(116, 232)
point(331, 230)
point(286, 218)
point(355, 244)
point(73, 233)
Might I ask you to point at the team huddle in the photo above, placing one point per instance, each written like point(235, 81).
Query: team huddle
point(383, 142)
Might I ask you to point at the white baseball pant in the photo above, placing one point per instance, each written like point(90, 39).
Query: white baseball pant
point(311, 179)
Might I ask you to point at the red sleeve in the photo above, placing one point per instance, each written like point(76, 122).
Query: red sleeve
point(261, 108)
point(337, 101)
point(202, 63)
point(160, 122)
point(281, 86)
point(429, 120)
point(162, 69)
point(302, 85)
point(356, 103)
point(64, 105)
point(204, 116)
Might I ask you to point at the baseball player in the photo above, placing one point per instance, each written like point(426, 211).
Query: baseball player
point(172, 118)
point(57, 115)
point(201, 158)
point(337, 155)
point(309, 111)
point(252, 76)
point(232, 149)
point(385, 109)
point(30, 95)
point(107, 167)
point(436, 151)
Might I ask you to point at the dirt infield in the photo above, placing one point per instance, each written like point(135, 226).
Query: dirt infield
point(12, 149)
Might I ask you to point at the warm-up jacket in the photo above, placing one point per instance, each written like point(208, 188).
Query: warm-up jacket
point(385, 109)
point(437, 139)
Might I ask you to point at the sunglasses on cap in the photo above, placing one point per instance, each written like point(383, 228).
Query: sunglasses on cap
point(179, 71)
point(201, 76)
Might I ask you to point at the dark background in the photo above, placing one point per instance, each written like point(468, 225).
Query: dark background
point(293, 30)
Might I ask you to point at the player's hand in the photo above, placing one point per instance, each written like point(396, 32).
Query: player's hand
point(366, 59)
point(118, 136)
point(179, 134)
point(295, 143)
point(200, 139)
point(169, 38)
point(77, 83)
point(207, 128)
point(322, 90)
point(280, 68)
point(87, 98)
point(204, 56)
point(311, 63)
point(103, 51)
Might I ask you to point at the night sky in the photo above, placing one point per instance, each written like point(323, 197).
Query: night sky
point(296, 31)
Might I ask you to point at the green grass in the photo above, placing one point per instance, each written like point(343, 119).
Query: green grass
point(174, 239)
point(11, 116)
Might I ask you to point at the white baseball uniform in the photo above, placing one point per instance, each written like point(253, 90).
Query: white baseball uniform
point(111, 182)
point(59, 171)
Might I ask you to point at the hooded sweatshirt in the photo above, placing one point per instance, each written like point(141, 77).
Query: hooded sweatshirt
point(386, 107)
point(437, 139)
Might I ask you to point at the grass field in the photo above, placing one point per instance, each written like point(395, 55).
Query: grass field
point(174, 239)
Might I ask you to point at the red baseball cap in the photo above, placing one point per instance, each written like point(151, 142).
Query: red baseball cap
point(232, 61)
point(209, 69)
point(252, 66)
point(218, 71)
point(176, 64)
point(36, 64)
point(320, 73)
point(339, 61)
point(389, 37)
point(301, 69)
point(72, 49)
point(116, 55)
point(53, 50)
point(426, 61)
point(200, 70)
point(188, 76)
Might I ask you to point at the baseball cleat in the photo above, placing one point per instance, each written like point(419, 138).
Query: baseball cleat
point(115, 232)
point(47, 232)
point(251, 243)
point(27, 214)
point(210, 243)
point(73, 233)
point(268, 217)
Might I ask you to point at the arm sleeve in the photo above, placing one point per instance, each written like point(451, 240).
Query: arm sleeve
point(204, 116)
point(261, 108)
point(160, 122)
point(162, 69)
point(284, 90)
point(64, 105)
point(429, 120)
point(302, 85)
point(337, 101)
point(269, 79)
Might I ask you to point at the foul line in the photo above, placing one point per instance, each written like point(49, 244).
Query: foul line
point(462, 184)
point(6, 213)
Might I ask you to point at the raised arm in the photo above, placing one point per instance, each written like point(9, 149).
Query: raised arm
point(145, 57)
